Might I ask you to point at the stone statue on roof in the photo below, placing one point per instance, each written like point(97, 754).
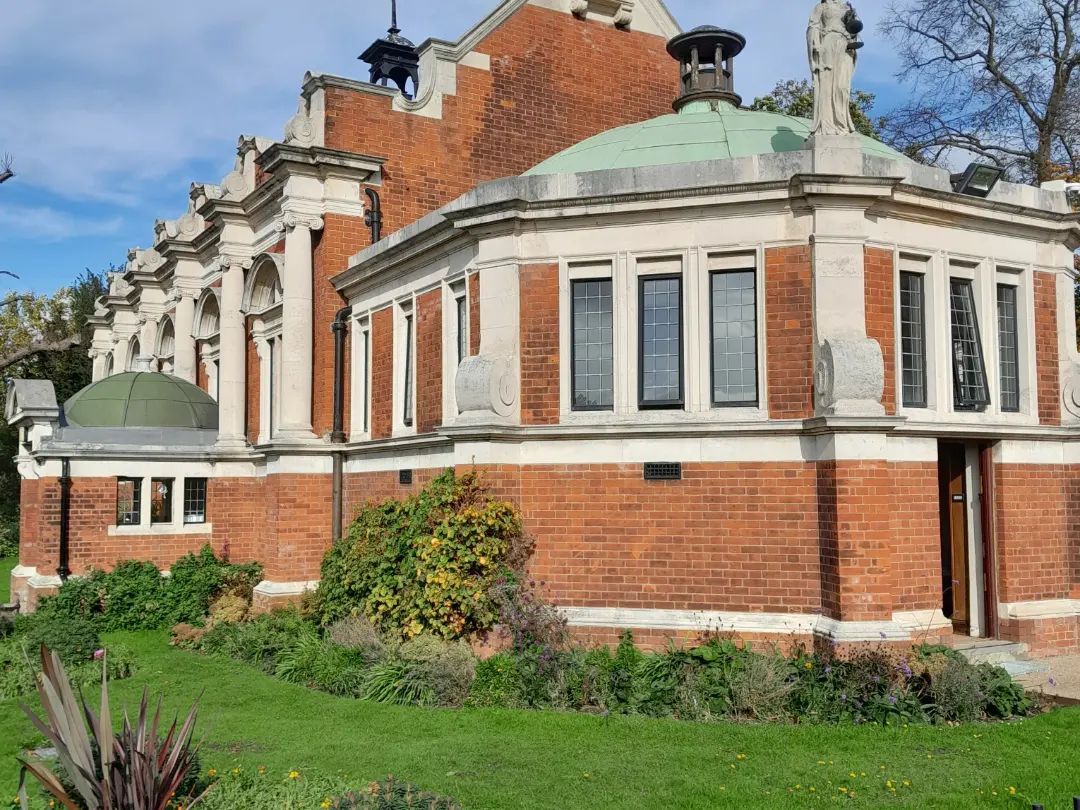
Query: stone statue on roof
point(832, 43)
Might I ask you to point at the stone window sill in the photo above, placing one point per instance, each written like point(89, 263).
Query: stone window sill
point(161, 529)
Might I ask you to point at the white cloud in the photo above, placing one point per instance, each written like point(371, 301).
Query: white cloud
point(113, 100)
point(50, 225)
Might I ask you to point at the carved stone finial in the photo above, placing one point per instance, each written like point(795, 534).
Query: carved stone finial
point(832, 45)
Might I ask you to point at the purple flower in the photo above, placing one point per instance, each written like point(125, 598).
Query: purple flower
point(828, 668)
point(892, 699)
point(99, 654)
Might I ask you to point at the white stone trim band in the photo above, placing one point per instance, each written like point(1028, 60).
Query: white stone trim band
point(1041, 609)
point(269, 589)
point(905, 626)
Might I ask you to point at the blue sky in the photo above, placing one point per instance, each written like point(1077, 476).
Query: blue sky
point(114, 107)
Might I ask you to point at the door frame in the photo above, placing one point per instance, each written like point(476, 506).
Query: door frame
point(980, 559)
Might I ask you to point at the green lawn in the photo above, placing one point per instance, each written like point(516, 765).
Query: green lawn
point(6, 564)
point(514, 759)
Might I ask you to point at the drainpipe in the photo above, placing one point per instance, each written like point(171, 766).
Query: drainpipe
point(63, 569)
point(373, 217)
point(340, 328)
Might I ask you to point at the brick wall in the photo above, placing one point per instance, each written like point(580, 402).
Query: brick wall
point(202, 379)
point(429, 362)
point(1035, 555)
point(728, 536)
point(539, 305)
point(253, 383)
point(298, 526)
point(364, 488)
point(916, 531)
point(1046, 348)
point(856, 536)
point(789, 332)
point(382, 373)
point(474, 314)
point(31, 537)
point(880, 315)
point(550, 86)
point(340, 238)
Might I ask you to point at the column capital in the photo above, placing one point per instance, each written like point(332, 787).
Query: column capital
point(227, 262)
point(292, 219)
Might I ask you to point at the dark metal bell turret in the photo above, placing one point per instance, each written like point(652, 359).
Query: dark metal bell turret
point(393, 58)
point(707, 58)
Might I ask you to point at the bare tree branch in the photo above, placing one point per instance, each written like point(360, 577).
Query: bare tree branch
point(39, 347)
point(6, 162)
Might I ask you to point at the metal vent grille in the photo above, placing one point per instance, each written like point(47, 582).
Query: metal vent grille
point(663, 471)
point(404, 476)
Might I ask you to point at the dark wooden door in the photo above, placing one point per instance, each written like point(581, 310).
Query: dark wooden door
point(954, 534)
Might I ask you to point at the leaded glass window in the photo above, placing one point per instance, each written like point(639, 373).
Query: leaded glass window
point(969, 367)
point(161, 500)
point(408, 392)
point(593, 345)
point(128, 501)
point(913, 340)
point(1008, 348)
point(194, 500)
point(734, 338)
point(661, 341)
point(462, 330)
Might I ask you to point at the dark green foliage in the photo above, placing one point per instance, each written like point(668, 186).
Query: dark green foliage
point(9, 532)
point(134, 595)
point(74, 639)
point(260, 642)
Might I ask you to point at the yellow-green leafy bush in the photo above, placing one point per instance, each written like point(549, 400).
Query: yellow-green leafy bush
point(426, 564)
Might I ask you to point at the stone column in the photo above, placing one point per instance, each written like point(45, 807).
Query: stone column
point(297, 327)
point(184, 353)
point(232, 390)
point(120, 354)
point(147, 342)
point(99, 359)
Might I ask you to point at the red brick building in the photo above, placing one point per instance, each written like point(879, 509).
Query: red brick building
point(734, 378)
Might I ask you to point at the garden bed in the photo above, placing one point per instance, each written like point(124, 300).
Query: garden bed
point(494, 758)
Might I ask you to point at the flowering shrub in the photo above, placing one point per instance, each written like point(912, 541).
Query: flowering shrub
point(425, 565)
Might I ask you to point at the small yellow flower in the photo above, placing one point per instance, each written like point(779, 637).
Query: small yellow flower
point(324, 804)
point(262, 770)
point(813, 789)
point(235, 771)
point(212, 773)
point(586, 776)
point(808, 665)
point(740, 757)
point(1012, 791)
point(294, 774)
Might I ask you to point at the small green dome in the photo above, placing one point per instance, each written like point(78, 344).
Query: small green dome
point(142, 399)
point(695, 133)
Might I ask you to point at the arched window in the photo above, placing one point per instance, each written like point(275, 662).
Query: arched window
point(166, 345)
point(208, 318)
point(263, 290)
point(134, 350)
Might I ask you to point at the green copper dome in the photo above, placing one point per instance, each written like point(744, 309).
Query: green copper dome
point(695, 133)
point(142, 399)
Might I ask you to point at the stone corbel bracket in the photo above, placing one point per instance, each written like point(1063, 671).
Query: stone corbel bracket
point(850, 377)
point(620, 12)
point(487, 387)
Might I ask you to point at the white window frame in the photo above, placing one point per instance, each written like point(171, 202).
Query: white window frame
point(455, 291)
point(403, 309)
point(360, 379)
point(985, 274)
point(695, 265)
point(145, 527)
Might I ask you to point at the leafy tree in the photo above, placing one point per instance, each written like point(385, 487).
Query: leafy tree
point(993, 78)
point(796, 97)
point(43, 337)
